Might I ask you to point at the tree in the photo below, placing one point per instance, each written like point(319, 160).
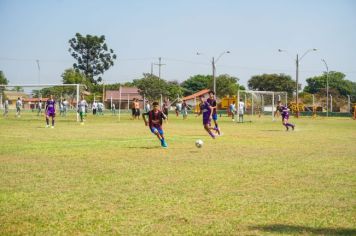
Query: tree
point(336, 80)
point(3, 79)
point(152, 87)
point(174, 90)
point(225, 85)
point(196, 83)
point(272, 82)
point(92, 54)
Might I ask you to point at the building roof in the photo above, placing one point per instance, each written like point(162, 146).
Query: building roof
point(13, 95)
point(197, 94)
point(126, 92)
point(35, 99)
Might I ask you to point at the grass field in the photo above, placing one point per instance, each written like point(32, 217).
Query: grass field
point(110, 177)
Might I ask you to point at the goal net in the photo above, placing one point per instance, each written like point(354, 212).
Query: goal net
point(256, 104)
point(32, 98)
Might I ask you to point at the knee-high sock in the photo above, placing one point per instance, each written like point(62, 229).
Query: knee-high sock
point(47, 121)
point(52, 122)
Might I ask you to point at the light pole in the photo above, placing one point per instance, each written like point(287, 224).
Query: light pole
point(331, 103)
point(297, 61)
point(327, 87)
point(213, 63)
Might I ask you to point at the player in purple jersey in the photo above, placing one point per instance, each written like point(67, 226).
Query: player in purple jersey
point(206, 110)
point(155, 120)
point(285, 115)
point(212, 101)
point(50, 110)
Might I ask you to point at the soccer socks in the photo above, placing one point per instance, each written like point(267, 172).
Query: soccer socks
point(52, 122)
point(47, 121)
point(211, 134)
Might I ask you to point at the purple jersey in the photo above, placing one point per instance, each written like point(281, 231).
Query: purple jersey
point(284, 111)
point(205, 109)
point(50, 106)
point(212, 103)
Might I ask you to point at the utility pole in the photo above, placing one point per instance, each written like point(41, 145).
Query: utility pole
point(297, 89)
point(213, 66)
point(159, 67)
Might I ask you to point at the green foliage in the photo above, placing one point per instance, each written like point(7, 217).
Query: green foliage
point(3, 79)
point(225, 85)
point(196, 83)
point(17, 89)
point(92, 54)
point(272, 82)
point(174, 89)
point(153, 87)
point(336, 80)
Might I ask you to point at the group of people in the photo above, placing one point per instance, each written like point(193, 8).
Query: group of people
point(240, 111)
point(208, 110)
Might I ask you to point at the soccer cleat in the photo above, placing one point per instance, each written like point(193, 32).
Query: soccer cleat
point(47, 126)
point(163, 143)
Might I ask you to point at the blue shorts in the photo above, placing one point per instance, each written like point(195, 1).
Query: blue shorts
point(153, 130)
point(215, 116)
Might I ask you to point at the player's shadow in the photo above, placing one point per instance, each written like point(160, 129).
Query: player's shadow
point(295, 229)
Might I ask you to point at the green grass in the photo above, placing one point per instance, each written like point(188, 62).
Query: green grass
point(110, 177)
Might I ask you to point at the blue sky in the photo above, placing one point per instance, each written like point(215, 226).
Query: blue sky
point(141, 31)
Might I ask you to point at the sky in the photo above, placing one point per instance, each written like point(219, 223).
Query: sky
point(141, 31)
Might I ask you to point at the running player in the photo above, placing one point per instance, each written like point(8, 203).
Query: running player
point(285, 115)
point(212, 101)
point(155, 120)
point(207, 111)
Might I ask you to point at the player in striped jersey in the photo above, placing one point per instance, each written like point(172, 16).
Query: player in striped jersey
point(155, 120)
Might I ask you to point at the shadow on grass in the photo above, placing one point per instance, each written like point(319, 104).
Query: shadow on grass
point(273, 130)
point(294, 229)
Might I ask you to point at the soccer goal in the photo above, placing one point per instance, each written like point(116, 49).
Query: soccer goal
point(255, 104)
point(33, 98)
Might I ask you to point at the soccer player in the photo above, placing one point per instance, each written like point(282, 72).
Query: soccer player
point(184, 110)
point(65, 107)
point(207, 111)
point(155, 120)
point(6, 108)
point(285, 115)
point(82, 107)
point(39, 108)
point(165, 107)
point(50, 111)
point(18, 107)
point(212, 101)
point(232, 108)
point(241, 111)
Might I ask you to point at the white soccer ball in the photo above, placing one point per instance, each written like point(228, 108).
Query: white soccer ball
point(199, 143)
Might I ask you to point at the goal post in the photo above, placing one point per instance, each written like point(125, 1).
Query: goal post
point(31, 94)
point(257, 103)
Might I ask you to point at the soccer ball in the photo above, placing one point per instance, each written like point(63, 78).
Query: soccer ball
point(199, 143)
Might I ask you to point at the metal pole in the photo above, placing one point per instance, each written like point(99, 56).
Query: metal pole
point(238, 104)
point(128, 102)
point(161, 102)
point(297, 75)
point(120, 104)
point(214, 79)
point(77, 102)
point(272, 106)
point(331, 103)
point(313, 100)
